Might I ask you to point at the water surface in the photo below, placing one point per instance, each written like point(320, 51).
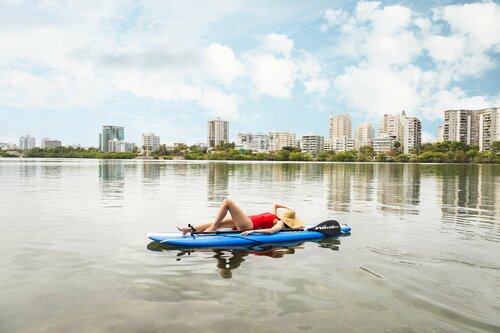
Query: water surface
point(423, 255)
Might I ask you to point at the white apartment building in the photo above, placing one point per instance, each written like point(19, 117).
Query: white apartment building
point(118, 146)
point(479, 127)
point(392, 126)
point(256, 142)
point(278, 140)
point(412, 134)
point(340, 126)
point(383, 144)
point(312, 144)
point(50, 143)
point(151, 140)
point(218, 133)
point(364, 135)
point(340, 144)
point(440, 137)
point(27, 142)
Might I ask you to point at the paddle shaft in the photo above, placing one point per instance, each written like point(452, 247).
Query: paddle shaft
point(237, 231)
point(327, 228)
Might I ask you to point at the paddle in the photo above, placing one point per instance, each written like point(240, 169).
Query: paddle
point(328, 228)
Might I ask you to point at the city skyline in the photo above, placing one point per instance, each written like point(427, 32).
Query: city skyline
point(69, 68)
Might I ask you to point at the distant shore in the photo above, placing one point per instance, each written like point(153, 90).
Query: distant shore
point(445, 152)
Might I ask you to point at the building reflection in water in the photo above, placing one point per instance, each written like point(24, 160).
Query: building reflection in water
point(471, 196)
point(49, 170)
point(27, 170)
point(363, 184)
point(218, 182)
point(338, 178)
point(151, 170)
point(112, 182)
point(355, 186)
point(398, 187)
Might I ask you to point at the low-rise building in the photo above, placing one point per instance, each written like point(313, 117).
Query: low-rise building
point(50, 143)
point(256, 142)
point(151, 140)
point(383, 144)
point(312, 144)
point(340, 144)
point(118, 146)
point(278, 140)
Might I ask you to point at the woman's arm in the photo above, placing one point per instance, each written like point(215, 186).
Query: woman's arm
point(277, 227)
point(277, 205)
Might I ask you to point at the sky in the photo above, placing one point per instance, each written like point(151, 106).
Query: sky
point(69, 67)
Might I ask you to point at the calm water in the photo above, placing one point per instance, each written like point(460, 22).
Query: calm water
point(424, 254)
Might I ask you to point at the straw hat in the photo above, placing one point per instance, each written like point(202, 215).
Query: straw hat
point(289, 218)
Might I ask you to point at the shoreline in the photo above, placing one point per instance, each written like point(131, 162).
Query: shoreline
point(238, 161)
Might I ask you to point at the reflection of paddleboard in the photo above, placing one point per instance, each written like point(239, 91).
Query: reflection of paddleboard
point(232, 238)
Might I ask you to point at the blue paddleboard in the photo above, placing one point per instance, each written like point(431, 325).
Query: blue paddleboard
point(235, 239)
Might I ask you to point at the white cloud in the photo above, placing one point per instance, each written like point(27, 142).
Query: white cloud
point(220, 104)
point(333, 18)
point(278, 44)
point(378, 90)
point(455, 98)
point(365, 9)
point(383, 47)
point(320, 86)
point(390, 20)
point(222, 63)
point(478, 21)
point(272, 76)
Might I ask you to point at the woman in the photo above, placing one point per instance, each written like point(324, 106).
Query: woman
point(267, 223)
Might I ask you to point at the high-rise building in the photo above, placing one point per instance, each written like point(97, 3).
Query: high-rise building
point(440, 137)
point(50, 143)
point(472, 127)
point(399, 128)
point(27, 142)
point(312, 144)
point(364, 135)
point(340, 126)
point(412, 134)
point(278, 140)
point(218, 132)
point(392, 126)
point(151, 140)
point(110, 133)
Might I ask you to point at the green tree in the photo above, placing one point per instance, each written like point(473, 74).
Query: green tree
point(397, 148)
point(367, 150)
point(495, 147)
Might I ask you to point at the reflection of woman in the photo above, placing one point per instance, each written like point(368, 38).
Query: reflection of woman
point(227, 264)
point(227, 260)
point(267, 223)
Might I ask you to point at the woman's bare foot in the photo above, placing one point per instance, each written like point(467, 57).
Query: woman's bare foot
point(184, 230)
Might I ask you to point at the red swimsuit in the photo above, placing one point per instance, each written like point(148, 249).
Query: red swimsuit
point(263, 221)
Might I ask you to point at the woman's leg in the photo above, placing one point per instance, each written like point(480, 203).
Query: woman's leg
point(240, 220)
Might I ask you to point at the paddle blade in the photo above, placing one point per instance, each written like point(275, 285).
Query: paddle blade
point(329, 228)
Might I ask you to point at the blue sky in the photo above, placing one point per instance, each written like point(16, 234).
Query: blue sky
point(69, 67)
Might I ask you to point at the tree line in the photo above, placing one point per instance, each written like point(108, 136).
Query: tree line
point(443, 152)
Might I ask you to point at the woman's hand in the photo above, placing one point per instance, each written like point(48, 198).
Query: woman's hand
point(248, 232)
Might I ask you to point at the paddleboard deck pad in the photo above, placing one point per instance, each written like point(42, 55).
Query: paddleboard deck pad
point(236, 239)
